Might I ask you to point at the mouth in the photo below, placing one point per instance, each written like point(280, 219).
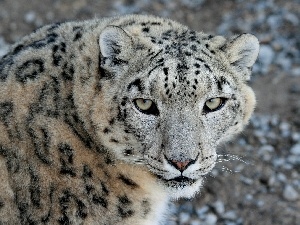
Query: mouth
point(180, 181)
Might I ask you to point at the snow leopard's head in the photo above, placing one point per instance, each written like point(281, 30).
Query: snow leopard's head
point(169, 96)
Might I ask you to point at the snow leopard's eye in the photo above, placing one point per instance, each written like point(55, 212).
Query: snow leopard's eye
point(214, 104)
point(146, 106)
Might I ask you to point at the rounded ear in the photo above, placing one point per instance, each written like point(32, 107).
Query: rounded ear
point(115, 48)
point(242, 52)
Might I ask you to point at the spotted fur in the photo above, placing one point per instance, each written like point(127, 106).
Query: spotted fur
point(74, 147)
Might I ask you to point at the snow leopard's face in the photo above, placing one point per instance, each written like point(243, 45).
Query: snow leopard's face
point(173, 102)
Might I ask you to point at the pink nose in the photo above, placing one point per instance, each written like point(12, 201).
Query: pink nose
point(180, 165)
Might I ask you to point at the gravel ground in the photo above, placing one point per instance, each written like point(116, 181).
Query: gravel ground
point(257, 178)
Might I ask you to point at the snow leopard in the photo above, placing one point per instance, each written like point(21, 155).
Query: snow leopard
point(106, 121)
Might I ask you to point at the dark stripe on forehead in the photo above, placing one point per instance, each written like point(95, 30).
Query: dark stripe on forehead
point(136, 83)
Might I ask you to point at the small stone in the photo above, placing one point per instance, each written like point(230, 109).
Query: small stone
point(281, 177)
point(195, 222)
point(260, 203)
point(246, 180)
point(272, 181)
point(230, 215)
point(219, 207)
point(294, 89)
point(249, 197)
point(296, 136)
point(295, 150)
point(278, 162)
point(290, 194)
point(274, 21)
point(30, 17)
point(285, 129)
point(211, 219)
point(201, 211)
point(266, 148)
point(184, 217)
point(296, 71)
point(292, 18)
point(294, 159)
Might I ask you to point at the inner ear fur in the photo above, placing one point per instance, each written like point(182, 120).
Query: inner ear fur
point(242, 52)
point(116, 48)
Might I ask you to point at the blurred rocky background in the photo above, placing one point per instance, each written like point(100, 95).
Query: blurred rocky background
point(257, 178)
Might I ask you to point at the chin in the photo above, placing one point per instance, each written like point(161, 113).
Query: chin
point(182, 187)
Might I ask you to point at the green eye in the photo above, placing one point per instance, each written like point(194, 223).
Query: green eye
point(146, 106)
point(143, 104)
point(214, 104)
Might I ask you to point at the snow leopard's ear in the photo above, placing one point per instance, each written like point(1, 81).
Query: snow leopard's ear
point(242, 52)
point(115, 48)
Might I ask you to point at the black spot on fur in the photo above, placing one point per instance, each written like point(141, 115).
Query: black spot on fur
point(182, 69)
point(6, 110)
point(122, 115)
point(89, 188)
point(54, 26)
point(124, 207)
point(77, 36)
point(221, 82)
point(98, 200)
point(12, 159)
point(146, 207)
point(81, 209)
point(6, 61)
point(23, 209)
point(166, 71)
point(17, 49)
point(197, 65)
point(51, 38)
point(1, 204)
point(30, 70)
point(104, 188)
point(73, 120)
point(41, 141)
point(34, 188)
point(155, 23)
point(57, 52)
point(205, 53)
point(207, 67)
point(194, 48)
point(128, 181)
point(65, 200)
point(114, 140)
point(136, 83)
point(112, 121)
point(106, 130)
point(68, 72)
point(146, 29)
point(117, 61)
point(199, 59)
point(87, 172)
point(66, 160)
